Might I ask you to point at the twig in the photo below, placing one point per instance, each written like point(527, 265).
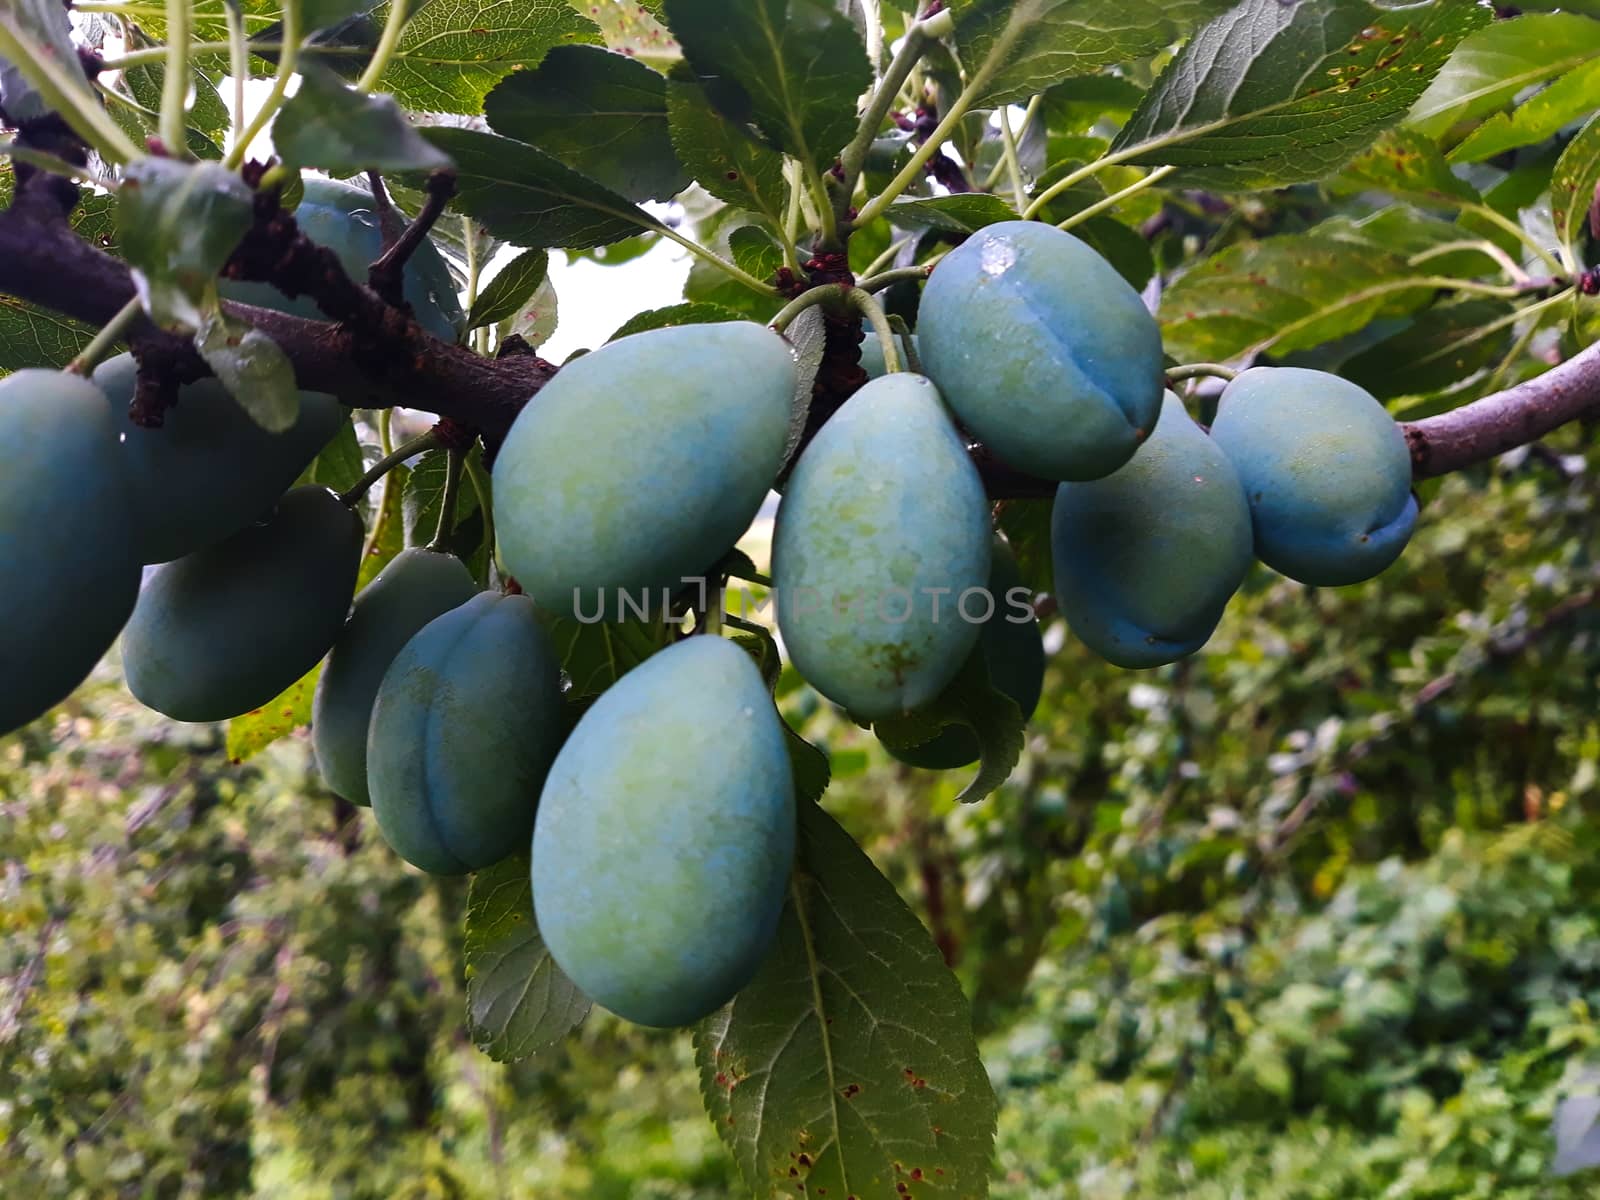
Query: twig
point(387, 275)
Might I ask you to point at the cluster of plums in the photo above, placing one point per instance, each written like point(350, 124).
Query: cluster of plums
point(662, 824)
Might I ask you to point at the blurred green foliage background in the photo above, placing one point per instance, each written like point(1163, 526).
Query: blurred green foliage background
point(1313, 914)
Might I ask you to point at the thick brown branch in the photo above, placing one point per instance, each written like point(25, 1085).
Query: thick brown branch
point(42, 261)
point(1479, 431)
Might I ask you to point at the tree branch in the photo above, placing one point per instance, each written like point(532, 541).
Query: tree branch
point(374, 356)
point(1479, 431)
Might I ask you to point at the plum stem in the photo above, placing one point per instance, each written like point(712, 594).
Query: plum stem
point(408, 449)
point(1202, 370)
point(454, 460)
point(108, 336)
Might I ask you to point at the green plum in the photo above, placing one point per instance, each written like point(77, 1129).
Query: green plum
point(68, 570)
point(1042, 350)
point(209, 470)
point(224, 630)
point(665, 836)
point(415, 587)
point(1147, 558)
point(467, 721)
point(884, 527)
point(641, 464)
point(1326, 470)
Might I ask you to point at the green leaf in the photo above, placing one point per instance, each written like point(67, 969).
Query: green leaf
point(595, 656)
point(208, 119)
point(1026, 524)
point(1407, 165)
point(965, 212)
point(850, 1058)
point(1542, 115)
point(336, 129)
point(178, 223)
point(338, 465)
point(510, 289)
point(256, 372)
point(250, 734)
point(676, 314)
point(722, 155)
point(1271, 94)
point(756, 251)
point(630, 28)
point(47, 25)
point(1573, 186)
point(795, 68)
point(809, 766)
point(1016, 48)
point(1490, 67)
point(453, 52)
point(535, 318)
point(518, 1001)
point(1443, 346)
point(970, 700)
point(386, 536)
point(597, 112)
point(524, 196)
point(1288, 293)
point(807, 336)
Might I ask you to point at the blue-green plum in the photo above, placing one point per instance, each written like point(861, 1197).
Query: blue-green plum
point(68, 572)
point(222, 631)
point(1147, 558)
point(209, 470)
point(466, 724)
point(883, 529)
point(1013, 654)
point(872, 353)
point(641, 464)
point(341, 217)
point(665, 836)
point(1042, 350)
point(417, 586)
point(1326, 470)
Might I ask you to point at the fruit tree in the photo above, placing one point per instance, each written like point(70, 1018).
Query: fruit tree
point(1027, 310)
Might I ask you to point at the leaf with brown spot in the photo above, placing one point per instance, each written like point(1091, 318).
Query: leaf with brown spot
point(853, 995)
point(253, 732)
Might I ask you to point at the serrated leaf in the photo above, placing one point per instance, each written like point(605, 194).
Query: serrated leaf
point(522, 195)
point(250, 734)
point(795, 68)
point(338, 465)
point(809, 767)
point(807, 338)
point(723, 156)
point(594, 656)
point(336, 129)
point(755, 251)
point(1016, 48)
point(965, 212)
point(677, 314)
point(513, 286)
point(453, 52)
point(1542, 115)
point(387, 535)
point(1271, 94)
point(254, 369)
point(1444, 345)
point(1287, 293)
point(1407, 165)
point(1491, 66)
point(850, 1058)
point(1573, 186)
point(970, 700)
point(178, 223)
point(519, 1001)
point(597, 112)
